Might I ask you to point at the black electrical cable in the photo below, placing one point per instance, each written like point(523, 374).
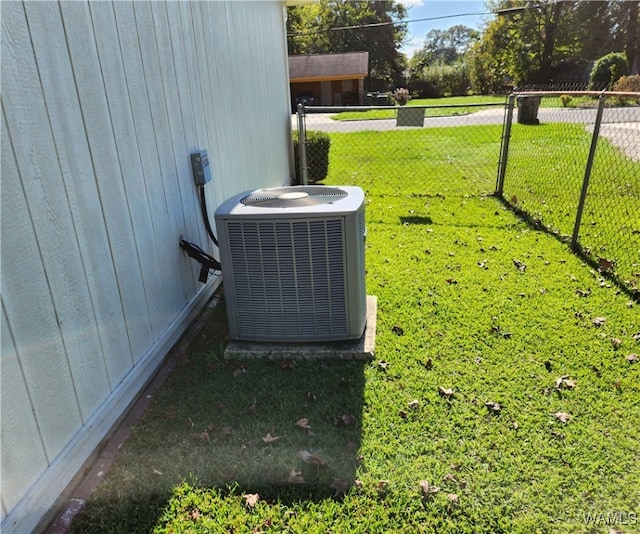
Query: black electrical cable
point(207, 263)
point(205, 216)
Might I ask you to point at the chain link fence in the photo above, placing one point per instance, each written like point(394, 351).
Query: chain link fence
point(571, 164)
point(446, 149)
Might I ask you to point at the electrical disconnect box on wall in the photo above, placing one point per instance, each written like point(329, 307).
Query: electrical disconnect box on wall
point(200, 165)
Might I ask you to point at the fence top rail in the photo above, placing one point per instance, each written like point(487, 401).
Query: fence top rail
point(576, 93)
point(368, 108)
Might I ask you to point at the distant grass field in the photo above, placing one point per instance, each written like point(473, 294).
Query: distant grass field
point(459, 101)
point(504, 396)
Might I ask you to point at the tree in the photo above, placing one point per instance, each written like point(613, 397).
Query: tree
point(632, 46)
point(445, 46)
point(537, 42)
point(335, 26)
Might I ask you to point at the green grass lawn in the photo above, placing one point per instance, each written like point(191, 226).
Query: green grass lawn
point(463, 106)
point(504, 395)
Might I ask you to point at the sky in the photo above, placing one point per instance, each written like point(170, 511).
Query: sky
point(433, 9)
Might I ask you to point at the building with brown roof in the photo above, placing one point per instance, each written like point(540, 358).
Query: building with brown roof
point(328, 79)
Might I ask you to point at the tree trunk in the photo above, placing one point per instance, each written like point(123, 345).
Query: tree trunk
point(632, 46)
point(549, 41)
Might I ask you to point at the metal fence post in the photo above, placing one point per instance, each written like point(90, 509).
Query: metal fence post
point(302, 145)
point(587, 170)
point(504, 149)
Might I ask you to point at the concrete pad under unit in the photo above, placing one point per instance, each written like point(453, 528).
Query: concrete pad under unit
point(357, 349)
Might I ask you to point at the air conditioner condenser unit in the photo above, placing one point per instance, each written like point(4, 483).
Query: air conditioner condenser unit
point(293, 263)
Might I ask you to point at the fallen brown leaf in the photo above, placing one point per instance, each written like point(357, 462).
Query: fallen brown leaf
point(269, 439)
point(295, 477)
point(303, 423)
point(493, 406)
point(453, 497)
point(598, 321)
point(632, 358)
point(309, 458)
point(344, 420)
point(288, 363)
point(251, 499)
point(563, 417)
point(564, 382)
point(519, 265)
point(605, 265)
point(239, 371)
point(428, 489)
point(446, 392)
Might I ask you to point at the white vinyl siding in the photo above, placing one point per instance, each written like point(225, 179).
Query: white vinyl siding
point(102, 103)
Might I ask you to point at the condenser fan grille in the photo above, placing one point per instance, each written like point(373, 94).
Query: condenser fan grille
point(293, 197)
point(289, 278)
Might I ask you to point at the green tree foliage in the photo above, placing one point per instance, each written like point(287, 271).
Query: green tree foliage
point(440, 67)
point(335, 26)
point(445, 46)
point(543, 42)
point(608, 70)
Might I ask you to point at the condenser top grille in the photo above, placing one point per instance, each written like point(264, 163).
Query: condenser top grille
point(293, 197)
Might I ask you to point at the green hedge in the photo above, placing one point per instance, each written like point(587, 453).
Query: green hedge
point(318, 144)
point(607, 70)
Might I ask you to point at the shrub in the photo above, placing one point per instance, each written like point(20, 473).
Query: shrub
point(566, 100)
point(607, 70)
point(424, 88)
point(317, 151)
point(451, 80)
point(628, 84)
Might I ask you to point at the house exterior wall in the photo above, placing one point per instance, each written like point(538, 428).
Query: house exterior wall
point(102, 103)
